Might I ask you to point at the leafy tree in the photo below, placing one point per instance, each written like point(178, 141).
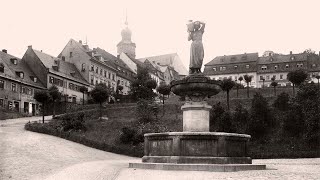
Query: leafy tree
point(227, 85)
point(261, 117)
point(164, 89)
point(318, 77)
point(240, 79)
point(142, 87)
point(216, 114)
point(43, 97)
point(100, 94)
point(248, 80)
point(83, 89)
point(55, 96)
point(274, 84)
point(297, 77)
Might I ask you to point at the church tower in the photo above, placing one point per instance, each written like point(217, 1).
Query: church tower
point(126, 45)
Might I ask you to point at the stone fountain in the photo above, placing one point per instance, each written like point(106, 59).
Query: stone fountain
point(196, 148)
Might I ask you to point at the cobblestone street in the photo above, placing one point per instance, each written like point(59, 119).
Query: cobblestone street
point(28, 155)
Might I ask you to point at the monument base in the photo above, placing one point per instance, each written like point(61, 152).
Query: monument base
point(198, 167)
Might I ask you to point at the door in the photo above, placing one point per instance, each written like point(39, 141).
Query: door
point(33, 109)
point(16, 106)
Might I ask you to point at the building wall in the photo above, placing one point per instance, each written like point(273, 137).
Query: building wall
point(235, 77)
point(129, 62)
point(97, 77)
point(125, 84)
point(21, 99)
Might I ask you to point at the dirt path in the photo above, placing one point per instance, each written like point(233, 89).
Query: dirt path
point(29, 155)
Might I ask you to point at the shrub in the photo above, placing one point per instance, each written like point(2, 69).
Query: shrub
point(261, 117)
point(147, 111)
point(240, 119)
point(216, 113)
point(282, 102)
point(72, 122)
point(128, 135)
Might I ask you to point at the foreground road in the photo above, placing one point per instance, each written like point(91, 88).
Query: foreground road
point(28, 155)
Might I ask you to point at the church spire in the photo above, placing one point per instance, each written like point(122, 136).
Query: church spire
point(126, 23)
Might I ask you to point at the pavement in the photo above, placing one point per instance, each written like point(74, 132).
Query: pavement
point(29, 155)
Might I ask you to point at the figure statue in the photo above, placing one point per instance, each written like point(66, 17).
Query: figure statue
point(196, 30)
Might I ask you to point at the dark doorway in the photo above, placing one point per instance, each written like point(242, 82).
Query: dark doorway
point(16, 106)
point(33, 109)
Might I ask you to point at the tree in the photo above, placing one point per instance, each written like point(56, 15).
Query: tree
point(309, 51)
point(100, 94)
point(164, 89)
point(274, 84)
point(142, 87)
point(318, 77)
point(240, 79)
point(43, 97)
point(282, 102)
point(238, 86)
point(297, 77)
point(83, 89)
point(227, 85)
point(247, 79)
point(55, 96)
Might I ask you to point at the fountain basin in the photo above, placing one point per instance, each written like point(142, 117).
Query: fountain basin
point(196, 148)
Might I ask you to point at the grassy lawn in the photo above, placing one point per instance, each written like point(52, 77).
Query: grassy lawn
point(6, 114)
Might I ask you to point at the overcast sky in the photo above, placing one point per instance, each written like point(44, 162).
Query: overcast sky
point(159, 27)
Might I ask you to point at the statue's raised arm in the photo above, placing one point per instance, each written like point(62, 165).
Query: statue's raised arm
point(196, 30)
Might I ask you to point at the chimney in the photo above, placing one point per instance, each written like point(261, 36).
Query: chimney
point(5, 51)
point(118, 56)
point(269, 53)
point(80, 41)
point(30, 47)
point(290, 52)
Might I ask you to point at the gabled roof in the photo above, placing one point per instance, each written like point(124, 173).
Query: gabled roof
point(21, 66)
point(65, 68)
point(279, 58)
point(165, 59)
point(231, 59)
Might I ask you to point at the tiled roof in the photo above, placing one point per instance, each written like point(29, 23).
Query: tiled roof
point(279, 58)
point(65, 68)
point(231, 59)
point(21, 66)
point(165, 59)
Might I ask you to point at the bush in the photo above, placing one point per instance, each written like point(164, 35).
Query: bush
point(71, 122)
point(261, 117)
point(282, 102)
point(216, 113)
point(147, 111)
point(240, 119)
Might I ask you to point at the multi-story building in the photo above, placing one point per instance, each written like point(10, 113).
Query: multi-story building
point(124, 74)
point(277, 66)
point(233, 66)
point(264, 69)
point(55, 71)
point(18, 84)
point(90, 63)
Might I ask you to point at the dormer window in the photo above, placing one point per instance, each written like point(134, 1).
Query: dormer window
point(20, 74)
point(83, 67)
point(292, 57)
point(287, 66)
point(14, 61)
point(235, 67)
point(299, 65)
point(264, 67)
point(247, 66)
point(1, 68)
point(70, 55)
point(214, 69)
point(35, 79)
point(72, 73)
point(276, 67)
point(313, 65)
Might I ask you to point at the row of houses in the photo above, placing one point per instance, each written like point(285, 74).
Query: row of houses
point(263, 69)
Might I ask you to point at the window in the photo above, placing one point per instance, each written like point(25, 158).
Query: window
point(299, 65)
point(92, 79)
point(83, 67)
point(235, 67)
point(313, 65)
point(281, 76)
point(92, 67)
point(274, 77)
point(247, 66)
point(112, 76)
point(70, 54)
point(21, 75)
point(51, 80)
point(63, 58)
point(97, 81)
point(29, 91)
point(101, 71)
point(264, 67)
point(1, 84)
point(14, 61)
point(222, 68)
point(1, 68)
point(105, 73)
point(276, 67)
point(1, 103)
point(287, 66)
point(261, 78)
point(268, 77)
point(14, 87)
point(214, 69)
point(97, 70)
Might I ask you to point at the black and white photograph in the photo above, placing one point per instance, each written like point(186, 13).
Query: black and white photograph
point(159, 89)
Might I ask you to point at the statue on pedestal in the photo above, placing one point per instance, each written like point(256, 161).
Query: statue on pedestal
point(196, 30)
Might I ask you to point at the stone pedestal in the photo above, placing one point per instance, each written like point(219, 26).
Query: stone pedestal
point(196, 117)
